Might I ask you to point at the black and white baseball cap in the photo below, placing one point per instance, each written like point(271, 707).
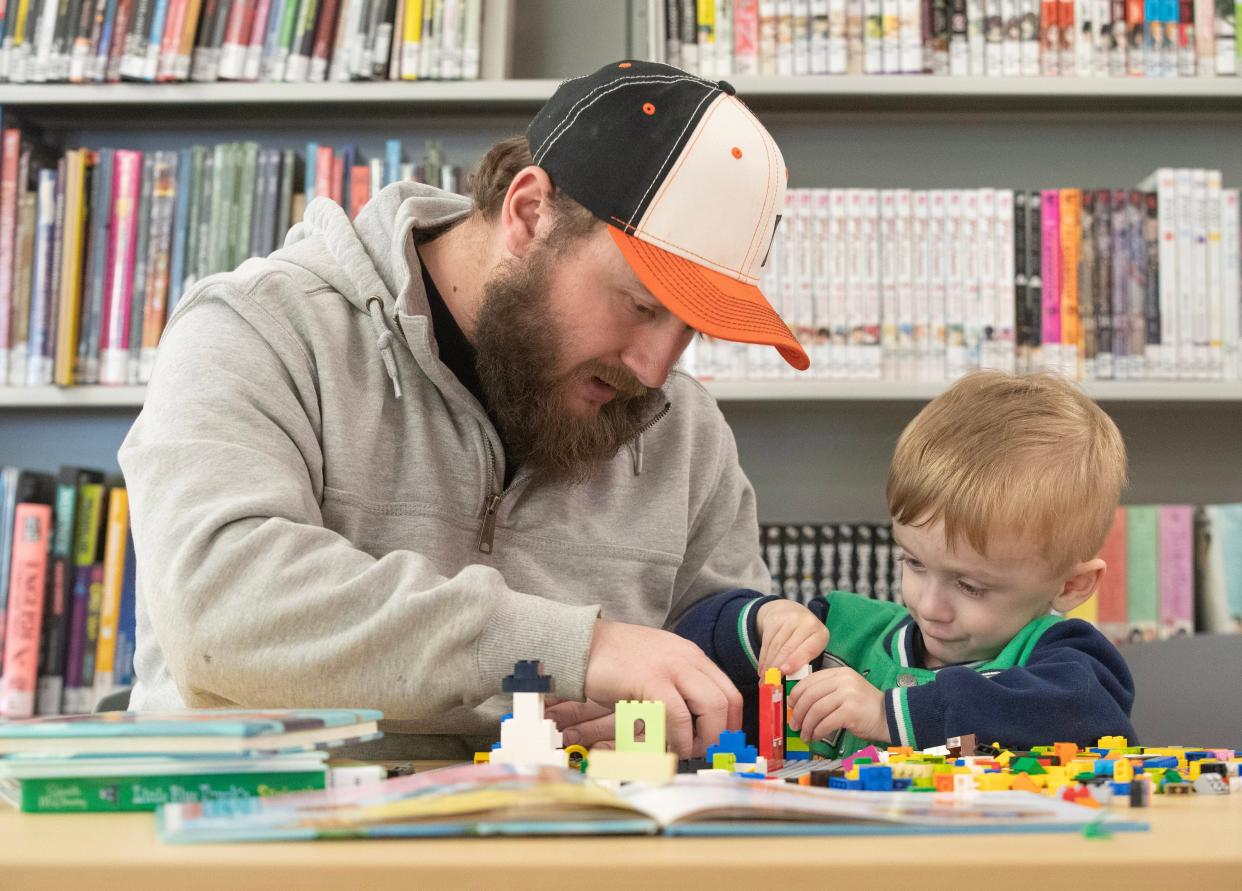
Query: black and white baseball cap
point(691, 185)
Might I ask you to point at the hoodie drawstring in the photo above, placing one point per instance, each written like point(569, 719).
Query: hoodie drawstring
point(383, 341)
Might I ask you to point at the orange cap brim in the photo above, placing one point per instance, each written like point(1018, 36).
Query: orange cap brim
point(709, 301)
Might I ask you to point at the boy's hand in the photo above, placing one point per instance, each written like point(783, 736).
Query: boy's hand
point(838, 697)
point(790, 636)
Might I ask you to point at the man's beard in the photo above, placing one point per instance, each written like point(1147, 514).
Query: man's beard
point(518, 342)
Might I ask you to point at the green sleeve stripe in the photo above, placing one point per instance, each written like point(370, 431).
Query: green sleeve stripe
point(743, 624)
point(901, 710)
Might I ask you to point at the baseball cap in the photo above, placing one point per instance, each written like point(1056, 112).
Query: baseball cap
point(691, 185)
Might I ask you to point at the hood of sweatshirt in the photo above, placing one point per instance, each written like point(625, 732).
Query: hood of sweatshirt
point(371, 260)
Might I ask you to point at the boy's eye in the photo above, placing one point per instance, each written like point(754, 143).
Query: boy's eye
point(970, 590)
point(912, 563)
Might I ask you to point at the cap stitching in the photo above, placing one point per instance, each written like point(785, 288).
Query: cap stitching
point(648, 236)
point(769, 196)
point(667, 158)
point(681, 160)
point(575, 112)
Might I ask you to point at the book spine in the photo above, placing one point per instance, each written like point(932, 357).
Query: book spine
point(745, 36)
point(1204, 15)
point(27, 583)
point(1050, 335)
point(1134, 32)
point(890, 40)
point(170, 40)
point(70, 303)
point(955, 286)
point(114, 346)
point(41, 284)
point(1070, 209)
point(1231, 237)
point(1085, 275)
point(142, 262)
point(127, 621)
point(939, 249)
point(903, 262)
point(976, 39)
point(10, 155)
point(51, 672)
point(1022, 320)
point(1005, 294)
point(22, 280)
point(113, 574)
point(1177, 587)
point(1215, 297)
point(1112, 593)
point(236, 34)
point(138, 793)
point(1119, 252)
point(325, 31)
point(116, 41)
point(1143, 572)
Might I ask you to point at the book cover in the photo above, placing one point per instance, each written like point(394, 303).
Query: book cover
point(206, 731)
point(10, 154)
point(148, 793)
point(1086, 277)
point(70, 302)
point(114, 343)
point(127, 620)
point(500, 799)
point(1177, 582)
point(1143, 571)
point(1102, 285)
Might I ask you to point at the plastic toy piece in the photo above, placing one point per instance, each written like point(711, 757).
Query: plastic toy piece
point(870, 752)
point(1211, 784)
point(733, 742)
point(635, 761)
point(652, 714)
point(482, 757)
point(527, 738)
point(575, 754)
point(772, 719)
point(960, 746)
point(725, 761)
point(795, 748)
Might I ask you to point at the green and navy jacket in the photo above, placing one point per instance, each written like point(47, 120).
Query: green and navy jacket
point(1057, 680)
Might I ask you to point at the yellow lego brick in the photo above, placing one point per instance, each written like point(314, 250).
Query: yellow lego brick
point(1123, 771)
point(724, 761)
point(995, 782)
point(1004, 758)
point(649, 767)
point(772, 676)
point(482, 757)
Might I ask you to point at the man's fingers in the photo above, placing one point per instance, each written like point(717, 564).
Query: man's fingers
point(567, 714)
point(709, 703)
point(591, 733)
point(679, 725)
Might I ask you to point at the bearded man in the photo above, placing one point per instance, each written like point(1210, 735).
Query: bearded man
point(383, 464)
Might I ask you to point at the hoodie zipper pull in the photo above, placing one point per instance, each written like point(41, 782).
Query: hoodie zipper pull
point(487, 532)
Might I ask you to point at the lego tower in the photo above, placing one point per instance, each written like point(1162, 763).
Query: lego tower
point(527, 738)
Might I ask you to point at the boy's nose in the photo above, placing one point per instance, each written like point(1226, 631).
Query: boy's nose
point(935, 605)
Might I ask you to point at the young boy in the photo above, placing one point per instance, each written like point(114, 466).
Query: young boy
point(1001, 492)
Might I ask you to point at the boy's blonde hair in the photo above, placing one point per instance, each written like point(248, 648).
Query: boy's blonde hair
point(1026, 454)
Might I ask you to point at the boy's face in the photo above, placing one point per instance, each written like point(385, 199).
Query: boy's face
point(969, 606)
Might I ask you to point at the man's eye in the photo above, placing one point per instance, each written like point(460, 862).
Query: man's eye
point(643, 310)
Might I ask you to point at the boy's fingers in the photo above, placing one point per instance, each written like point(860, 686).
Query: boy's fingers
point(804, 652)
point(777, 644)
point(816, 723)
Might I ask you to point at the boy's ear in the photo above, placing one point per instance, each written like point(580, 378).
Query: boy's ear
point(1081, 584)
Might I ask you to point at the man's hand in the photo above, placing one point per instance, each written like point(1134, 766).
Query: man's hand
point(586, 724)
point(635, 662)
point(837, 697)
point(790, 636)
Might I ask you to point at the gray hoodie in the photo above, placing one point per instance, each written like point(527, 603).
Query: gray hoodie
point(310, 485)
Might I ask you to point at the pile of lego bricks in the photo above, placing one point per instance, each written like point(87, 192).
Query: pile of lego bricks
point(1092, 777)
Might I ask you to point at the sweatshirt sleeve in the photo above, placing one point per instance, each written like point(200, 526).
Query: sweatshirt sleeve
point(1075, 688)
point(252, 600)
point(722, 551)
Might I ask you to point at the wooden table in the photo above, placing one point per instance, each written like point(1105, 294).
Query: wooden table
point(1195, 844)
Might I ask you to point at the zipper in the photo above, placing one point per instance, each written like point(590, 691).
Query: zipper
point(487, 530)
point(491, 506)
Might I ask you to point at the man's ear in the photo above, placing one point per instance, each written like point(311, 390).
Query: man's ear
point(1079, 587)
point(526, 214)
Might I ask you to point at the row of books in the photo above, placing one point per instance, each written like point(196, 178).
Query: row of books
point(1172, 569)
point(125, 761)
point(97, 247)
point(1098, 284)
point(977, 38)
point(66, 591)
point(97, 41)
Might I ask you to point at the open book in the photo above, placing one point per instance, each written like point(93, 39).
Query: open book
point(495, 799)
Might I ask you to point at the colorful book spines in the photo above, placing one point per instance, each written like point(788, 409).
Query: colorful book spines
point(108, 794)
point(114, 344)
point(113, 582)
point(1050, 335)
point(1177, 567)
point(27, 584)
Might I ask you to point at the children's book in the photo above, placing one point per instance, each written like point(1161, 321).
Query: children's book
point(495, 799)
point(203, 731)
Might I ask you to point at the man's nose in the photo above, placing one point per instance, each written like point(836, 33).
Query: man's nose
point(656, 350)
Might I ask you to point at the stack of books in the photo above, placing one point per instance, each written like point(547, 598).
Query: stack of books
point(123, 761)
point(978, 38)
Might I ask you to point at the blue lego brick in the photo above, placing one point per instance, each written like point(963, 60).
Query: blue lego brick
point(1104, 768)
point(876, 778)
point(734, 742)
point(752, 776)
point(838, 783)
point(495, 746)
point(1121, 788)
point(797, 756)
point(1161, 762)
point(527, 677)
point(900, 784)
point(1197, 756)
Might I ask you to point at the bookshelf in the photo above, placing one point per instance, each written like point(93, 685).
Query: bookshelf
point(814, 449)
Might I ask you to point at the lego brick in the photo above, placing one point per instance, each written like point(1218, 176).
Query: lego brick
point(527, 677)
point(647, 767)
point(724, 761)
point(652, 713)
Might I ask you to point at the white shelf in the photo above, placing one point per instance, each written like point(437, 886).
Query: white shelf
point(1168, 392)
point(71, 397)
point(812, 91)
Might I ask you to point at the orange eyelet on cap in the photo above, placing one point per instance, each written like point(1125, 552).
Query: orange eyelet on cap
point(626, 65)
point(737, 152)
point(648, 108)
